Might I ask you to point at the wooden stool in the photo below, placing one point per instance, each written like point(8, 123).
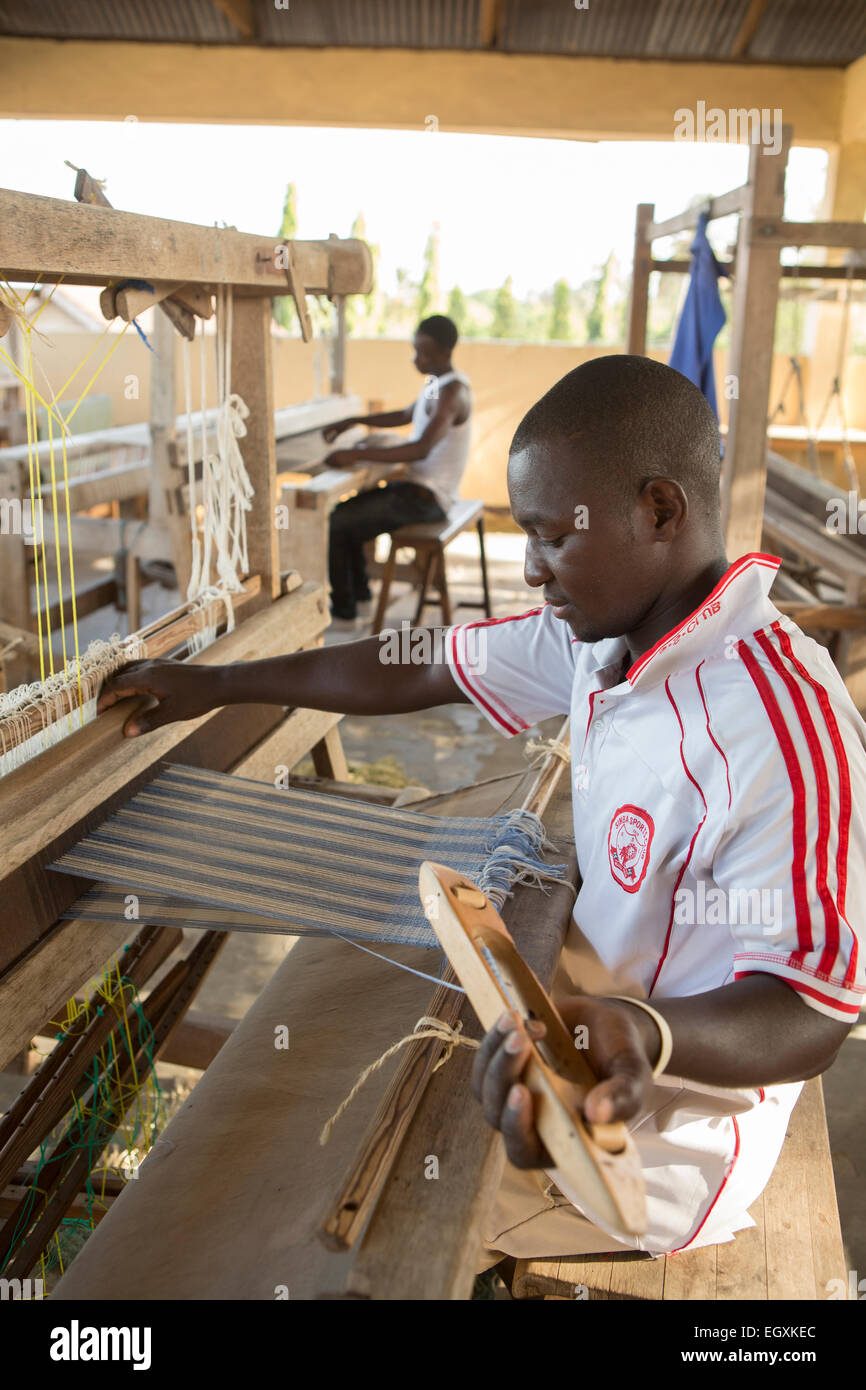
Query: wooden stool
point(794, 1251)
point(428, 540)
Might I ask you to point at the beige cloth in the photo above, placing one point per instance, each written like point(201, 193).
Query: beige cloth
point(531, 1219)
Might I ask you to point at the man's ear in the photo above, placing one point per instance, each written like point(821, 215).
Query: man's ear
point(668, 505)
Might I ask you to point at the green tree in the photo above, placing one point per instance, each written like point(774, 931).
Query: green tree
point(504, 311)
point(595, 319)
point(364, 312)
point(458, 309)
point(428, 289)
point(560, 319)
point(284, 310)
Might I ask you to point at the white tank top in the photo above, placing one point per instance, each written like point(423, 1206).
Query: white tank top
point(444, 466)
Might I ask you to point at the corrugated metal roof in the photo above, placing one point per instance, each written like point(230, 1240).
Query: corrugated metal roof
point(786, 31)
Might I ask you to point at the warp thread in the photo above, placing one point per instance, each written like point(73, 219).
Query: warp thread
point(61, 702)
point(433, 1028)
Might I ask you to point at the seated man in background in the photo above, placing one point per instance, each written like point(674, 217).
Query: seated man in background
point(430, 462)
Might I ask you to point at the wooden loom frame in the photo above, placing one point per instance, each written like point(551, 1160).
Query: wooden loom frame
point(50, 801)
point(204, 258)
point(757, 273)
point(762, 235)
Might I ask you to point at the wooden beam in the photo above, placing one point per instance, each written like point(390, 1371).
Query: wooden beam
point(253, 379)
point(240, 13)
point(197, 1039)
point(748, 28)
point(283, 626)
point(789, 272)
point(423, 1242)
point(489, 23)
point(776, 233)
point(641, 266)
point(555, 95)
point(89, 245)
point(750, 363)
point(722, 206)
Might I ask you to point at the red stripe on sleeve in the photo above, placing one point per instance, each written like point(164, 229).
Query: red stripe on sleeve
point(845, 799)
point(795, 775)
point(819, 767)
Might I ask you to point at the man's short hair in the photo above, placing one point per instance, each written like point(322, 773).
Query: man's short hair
point(629, 419)
point(441, 329)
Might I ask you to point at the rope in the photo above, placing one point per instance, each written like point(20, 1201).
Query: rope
point(432, 1028)
point(539, 748)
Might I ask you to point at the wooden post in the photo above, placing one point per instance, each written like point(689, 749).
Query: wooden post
point(14, 574)
point(639, 301)
point(253, 380)
point(163, 477)
point(338, 360)
point(756, 293)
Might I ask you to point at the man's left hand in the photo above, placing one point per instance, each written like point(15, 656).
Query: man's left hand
point(619, 1050)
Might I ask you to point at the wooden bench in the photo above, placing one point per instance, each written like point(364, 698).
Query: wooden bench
point(429, 540)
point(792, 1252)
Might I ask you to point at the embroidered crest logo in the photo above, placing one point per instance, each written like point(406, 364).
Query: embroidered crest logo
point(628, 846)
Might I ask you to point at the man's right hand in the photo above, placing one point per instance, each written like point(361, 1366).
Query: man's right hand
point(181, 691)
point(332, 431)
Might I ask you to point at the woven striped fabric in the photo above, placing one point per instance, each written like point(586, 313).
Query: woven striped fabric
point(206, 849)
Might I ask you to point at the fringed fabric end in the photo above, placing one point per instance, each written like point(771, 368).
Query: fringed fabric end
point(515, 852)
point(37, 716)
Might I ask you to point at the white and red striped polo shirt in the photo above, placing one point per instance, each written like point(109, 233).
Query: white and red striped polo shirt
point(719, 796)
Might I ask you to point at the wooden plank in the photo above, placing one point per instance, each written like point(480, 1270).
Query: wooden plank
point(423, 1237)
point(741, 1264)
point(40, 984)
point(748, 28)
point(54, 799)
point(751, 355)
point(240, 13)
point(691, 1275)
point(14, 576)
point(329, 760)
point(239, 1226)
point(106, 485)
point(828, 1254)
point(291, 741)
point(161, 640)
point(775, 233)
point(31, 899)
point(252, 378)
point(90, 245)
point(722, 206)
point(641, 266)
point(799, 272)
point(197, 1039)
point(788, 1235)
point(836, 616)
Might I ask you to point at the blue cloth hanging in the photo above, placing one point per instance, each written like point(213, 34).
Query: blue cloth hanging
point(701, 319)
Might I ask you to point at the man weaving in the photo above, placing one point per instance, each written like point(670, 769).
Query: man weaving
point(719, 781)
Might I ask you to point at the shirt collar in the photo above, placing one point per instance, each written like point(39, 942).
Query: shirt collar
point(738, 604)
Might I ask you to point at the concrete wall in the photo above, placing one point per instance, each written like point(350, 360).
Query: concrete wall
point(506, 379)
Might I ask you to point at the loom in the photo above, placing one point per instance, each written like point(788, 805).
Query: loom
point(69, 772)
point(65, 768)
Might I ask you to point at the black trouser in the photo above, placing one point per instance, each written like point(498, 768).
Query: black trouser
point(361, 519)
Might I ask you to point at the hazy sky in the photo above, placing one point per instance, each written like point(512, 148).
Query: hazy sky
point(533, 209)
